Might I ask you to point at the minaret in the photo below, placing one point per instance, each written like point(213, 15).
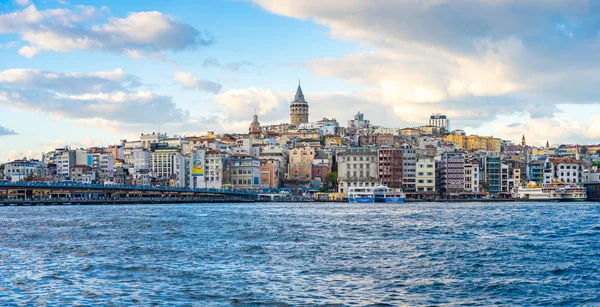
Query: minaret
point(547, 144)
point(298, 108)
point(523, 142)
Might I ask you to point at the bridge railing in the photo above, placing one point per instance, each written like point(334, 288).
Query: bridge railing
point(124, 187)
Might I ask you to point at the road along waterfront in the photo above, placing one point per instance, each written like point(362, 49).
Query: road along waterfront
point(253, 254)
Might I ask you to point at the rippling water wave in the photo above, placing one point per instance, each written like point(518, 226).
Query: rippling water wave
point(301, 254)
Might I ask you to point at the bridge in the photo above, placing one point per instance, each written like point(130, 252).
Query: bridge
point(33, 193)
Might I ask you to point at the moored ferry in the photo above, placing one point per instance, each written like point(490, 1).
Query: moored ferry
point(360, 195)
point(573, 193)
point(550, 192)
point(385, 194)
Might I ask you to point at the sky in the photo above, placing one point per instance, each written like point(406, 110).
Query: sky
point(86, 73)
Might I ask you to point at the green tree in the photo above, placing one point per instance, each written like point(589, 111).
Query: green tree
point(29, 177)
point(583, 150)
point(331, 180)
point(598, 151)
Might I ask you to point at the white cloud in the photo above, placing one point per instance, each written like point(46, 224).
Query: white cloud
point(14, 155)
point(188, 81)
point(499, 58)
point(233, 66)
point(140, 34)
point(23, 2)
point(110, 95)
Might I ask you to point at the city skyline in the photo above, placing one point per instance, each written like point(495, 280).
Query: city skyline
point(90, 73)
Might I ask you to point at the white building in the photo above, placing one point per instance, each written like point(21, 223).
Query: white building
point(162, 161)
point(182, 171)
point(591, 175)
point(439, 120)
point(563, 170)
point(19, 169)
point(357, 167)
point(472, 177)
point(214, 169)
point(103, 161)
point(64, 161)
point(425, 175)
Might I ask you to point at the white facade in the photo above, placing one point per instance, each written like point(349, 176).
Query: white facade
point(161, 163)
point(64, 161)
point(357, 167)
point(104, 162)
point(472, 177)
point(182, 171)
point(214, 170)
point(19, 169)
point(563, 170)
point(425, 175)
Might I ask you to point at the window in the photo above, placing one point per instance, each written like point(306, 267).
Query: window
point(429, 181)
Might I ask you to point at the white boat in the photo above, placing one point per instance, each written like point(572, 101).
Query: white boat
point(385, 194)
point(361, 195)
point(549, 192)
point(573, 193)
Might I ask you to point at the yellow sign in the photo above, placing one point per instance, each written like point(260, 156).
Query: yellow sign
point(198, 164)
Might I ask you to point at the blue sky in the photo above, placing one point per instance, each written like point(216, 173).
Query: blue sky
point(87, 73)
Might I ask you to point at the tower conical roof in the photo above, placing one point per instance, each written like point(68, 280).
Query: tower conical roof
point(299, 95)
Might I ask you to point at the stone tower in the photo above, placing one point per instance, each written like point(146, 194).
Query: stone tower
point(255, 125)
point(523, 142)
point(298, 108)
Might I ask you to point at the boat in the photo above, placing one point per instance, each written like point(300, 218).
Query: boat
point(360, 195)
point(573, 193)
point(385, 194)
point(550, 192)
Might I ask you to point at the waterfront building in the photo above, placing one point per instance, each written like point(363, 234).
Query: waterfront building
point(409, 168)
point(267, 174)
point(471, 176)
point(452, 173)
point(298, 108)
point(300, 163)
point(214, 169)
point(162, 161)
point(563, 170)
point(425, 175)
point(181, 177)
point(64, 161)
point(491, 171)
point(103, 162)
point(244, 171)
point(277, 155)
point(389, 164)
point(82, 174)
point(18, 170)
point(357, 167)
